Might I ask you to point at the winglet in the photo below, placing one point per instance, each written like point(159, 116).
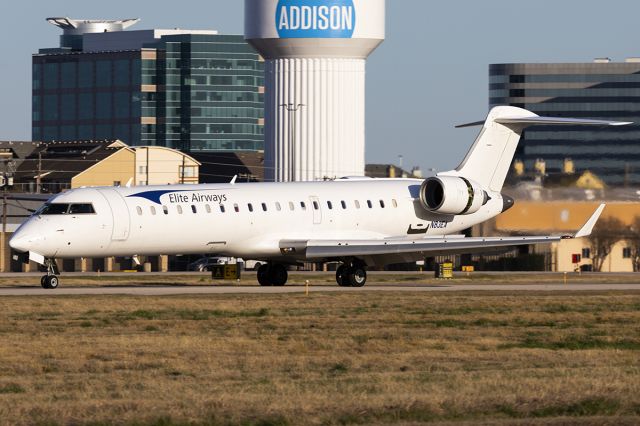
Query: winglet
point(585, 231)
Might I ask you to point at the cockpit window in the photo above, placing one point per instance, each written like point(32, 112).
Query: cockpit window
point(54, 209)
point(81, 209)
point(64, 208)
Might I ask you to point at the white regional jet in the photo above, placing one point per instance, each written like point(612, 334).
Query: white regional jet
point(358, 221)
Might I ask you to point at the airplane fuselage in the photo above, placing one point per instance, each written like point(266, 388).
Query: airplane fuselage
point(243, 220)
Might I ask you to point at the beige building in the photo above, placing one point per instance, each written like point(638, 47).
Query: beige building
point(144, 165)
point(114, 170)
point(157, 165)
point(563, 252)
point(565, 218)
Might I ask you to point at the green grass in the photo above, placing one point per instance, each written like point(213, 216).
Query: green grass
point(575, 343)
point(11, 388)
point(189, 314)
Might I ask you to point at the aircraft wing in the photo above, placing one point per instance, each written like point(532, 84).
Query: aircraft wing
point(396, 250)
point(385, 251)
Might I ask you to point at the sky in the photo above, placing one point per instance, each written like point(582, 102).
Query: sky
point(430, 74)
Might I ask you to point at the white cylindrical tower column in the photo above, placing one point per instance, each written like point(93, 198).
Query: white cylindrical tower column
point(315, 52)
point(315, 118)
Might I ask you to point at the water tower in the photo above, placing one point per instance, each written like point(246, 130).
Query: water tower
point(315, 53)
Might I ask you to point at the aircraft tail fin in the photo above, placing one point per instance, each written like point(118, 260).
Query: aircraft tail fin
point(489, 159)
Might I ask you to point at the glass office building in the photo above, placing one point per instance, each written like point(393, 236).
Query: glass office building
point(213, 97)
point(189, 90)
point(599, 90)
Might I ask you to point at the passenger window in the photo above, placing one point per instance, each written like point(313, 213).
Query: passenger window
point(303, 206)
point(179, 207)
point(344, 205)
point(264, 207)
point(165, 209)
point(194, 209)
point(395, 203)
point(370, 204)
point(236, 208)
point(250, 207)
point(330, 205)
point(139, 209)
point(357, 203)
point(291, 206)
point(278, 206)
point(207, 207)
point(382, 204)
point(153, 210)
point(315, 205)
point(222, 208)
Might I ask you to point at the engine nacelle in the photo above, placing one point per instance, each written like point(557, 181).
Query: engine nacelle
point(452, 195)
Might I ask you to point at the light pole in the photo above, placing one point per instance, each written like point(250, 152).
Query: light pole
point(292, 109)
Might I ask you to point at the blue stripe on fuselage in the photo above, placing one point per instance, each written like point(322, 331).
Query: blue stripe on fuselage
point(154, 196)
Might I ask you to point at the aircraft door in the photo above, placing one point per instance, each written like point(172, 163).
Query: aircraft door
point(316, 208)
point(119, 212)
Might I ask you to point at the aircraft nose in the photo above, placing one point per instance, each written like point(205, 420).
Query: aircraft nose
point(23, 243)
point(19, 242)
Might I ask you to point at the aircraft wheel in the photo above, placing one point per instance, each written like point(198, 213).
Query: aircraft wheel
point(53, 281)
point(357, 276)
point(50, 282)
point(341, 276)
point(263, 275)
point(43, 282)
point(278, 275)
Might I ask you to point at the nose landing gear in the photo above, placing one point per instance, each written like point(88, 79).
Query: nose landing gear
point(51, 280)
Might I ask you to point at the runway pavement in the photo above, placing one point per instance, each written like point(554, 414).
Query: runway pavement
point(156, 290)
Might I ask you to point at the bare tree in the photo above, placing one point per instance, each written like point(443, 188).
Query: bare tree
point(633, 238)
point(605, 235)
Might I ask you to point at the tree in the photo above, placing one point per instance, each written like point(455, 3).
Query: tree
point(605, 235)
point(633, 238)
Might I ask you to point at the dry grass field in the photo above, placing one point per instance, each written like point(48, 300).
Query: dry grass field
point(344, 358)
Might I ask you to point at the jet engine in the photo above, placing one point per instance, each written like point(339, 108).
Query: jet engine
point(452, 195)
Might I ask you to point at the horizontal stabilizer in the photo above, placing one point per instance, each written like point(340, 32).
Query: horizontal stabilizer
point(474, 124)
point(547, 121)
point(555, 121)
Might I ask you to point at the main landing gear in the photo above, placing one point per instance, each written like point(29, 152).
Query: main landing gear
point(51, 280)
point(272, 274)
point(351, 274)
